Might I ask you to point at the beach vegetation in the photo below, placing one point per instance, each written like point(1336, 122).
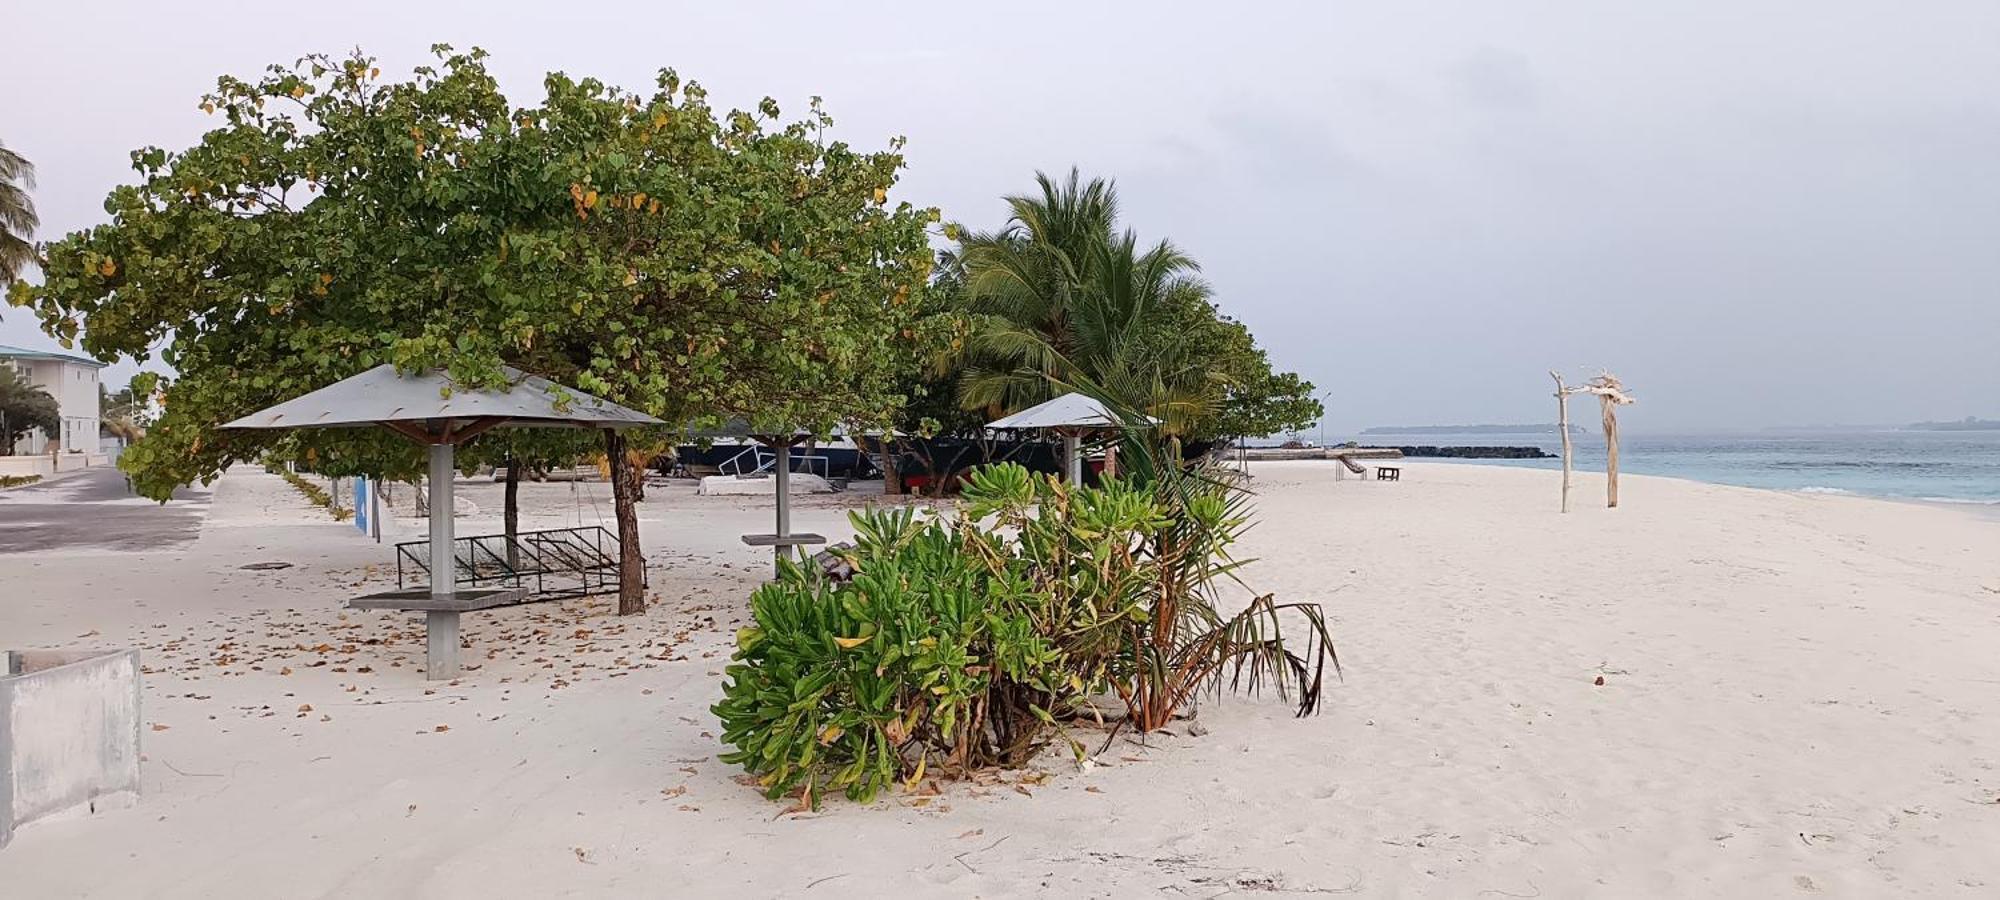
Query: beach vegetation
point(17, 215)
point(647, 248)
point(978, 640)
point(1062, 294)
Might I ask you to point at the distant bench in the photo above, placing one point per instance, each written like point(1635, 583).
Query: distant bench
point(1388, 473)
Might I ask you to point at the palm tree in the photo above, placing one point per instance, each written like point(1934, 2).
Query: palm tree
point(24, 406)
point(1059, 300)
point(17, 215)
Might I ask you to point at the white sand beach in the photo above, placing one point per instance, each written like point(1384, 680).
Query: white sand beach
point(1798, 698)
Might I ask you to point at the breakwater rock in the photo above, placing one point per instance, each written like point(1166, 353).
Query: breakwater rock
point(1472, 452)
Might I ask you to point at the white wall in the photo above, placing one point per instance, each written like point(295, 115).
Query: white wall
point(74, 386)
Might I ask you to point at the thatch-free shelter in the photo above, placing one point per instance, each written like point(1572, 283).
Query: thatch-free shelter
point(783, 542)
point(431, 409)
point(1073, 416)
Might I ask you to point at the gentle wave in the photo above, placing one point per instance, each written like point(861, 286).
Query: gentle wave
point(1852, 464)
point(1816, 489)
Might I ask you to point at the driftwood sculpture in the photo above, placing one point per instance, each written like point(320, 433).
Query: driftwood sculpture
point(1610, 395)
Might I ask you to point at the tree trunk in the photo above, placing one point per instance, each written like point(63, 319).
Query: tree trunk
point(635, 470)
point(512, 516)
point(892, 480)
point(1562, 425)
point(631, 565)
point(1610, 451)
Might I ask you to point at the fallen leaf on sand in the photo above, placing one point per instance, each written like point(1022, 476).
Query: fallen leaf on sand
point(973, 833)
point(160, 727)
point(1093, 789)
point(674, 791)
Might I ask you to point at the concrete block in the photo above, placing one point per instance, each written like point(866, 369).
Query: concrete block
point(69, 734)
point(727, 485)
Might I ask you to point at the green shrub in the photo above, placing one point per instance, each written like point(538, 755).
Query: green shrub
point(7, 481)
point(952, 646)
point(964, 643)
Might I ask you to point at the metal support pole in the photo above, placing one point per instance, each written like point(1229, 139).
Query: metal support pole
point(784, 505)
point(441, 626)
point(1073, 458)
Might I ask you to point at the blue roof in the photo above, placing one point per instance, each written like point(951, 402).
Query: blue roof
point(12, 352)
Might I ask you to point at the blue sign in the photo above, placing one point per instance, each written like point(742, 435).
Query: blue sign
point(361, 507)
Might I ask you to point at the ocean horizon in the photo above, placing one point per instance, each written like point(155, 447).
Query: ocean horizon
point(1934, 466)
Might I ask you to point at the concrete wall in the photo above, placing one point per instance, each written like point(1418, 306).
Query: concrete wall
point(27, 465)
point(47, 464)
point(69, 734)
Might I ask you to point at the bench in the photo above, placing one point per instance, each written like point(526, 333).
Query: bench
point(782, 544)
point(441, 618)
point(1388, 473)
point(801, 539)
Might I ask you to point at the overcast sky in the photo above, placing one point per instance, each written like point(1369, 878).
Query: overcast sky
point(1755, 213)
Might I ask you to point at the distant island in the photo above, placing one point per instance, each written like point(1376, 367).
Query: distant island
point(1969, 423)
point(1549, 428)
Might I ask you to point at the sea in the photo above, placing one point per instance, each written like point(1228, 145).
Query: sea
point(1935, 466)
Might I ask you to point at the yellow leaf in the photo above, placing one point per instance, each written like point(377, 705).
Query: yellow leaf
point(631, 278)
point(638, 199)
point(590, 199)
point(298, 91)
point(108, 267)
point(375, 72)
point(918, 775)
point(881, 196)
point(830, 734)
point(850, 643)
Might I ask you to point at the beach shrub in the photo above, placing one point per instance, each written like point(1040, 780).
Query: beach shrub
point(966, 642)
point(952, 647)
point(314, 494)
point(7, 481)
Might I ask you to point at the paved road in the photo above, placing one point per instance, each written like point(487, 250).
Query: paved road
point(93, 510)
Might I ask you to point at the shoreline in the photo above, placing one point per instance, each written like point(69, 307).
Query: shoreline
point(1982, 507)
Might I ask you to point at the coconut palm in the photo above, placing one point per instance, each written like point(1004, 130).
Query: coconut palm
point(1059, 299)
point(17, 215)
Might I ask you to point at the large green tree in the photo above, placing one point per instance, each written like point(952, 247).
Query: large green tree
point(703, 265)
point(650, 250)
point(1061, 299)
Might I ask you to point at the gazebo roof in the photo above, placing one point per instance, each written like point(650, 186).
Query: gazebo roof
point(1067, 411)
point(382, 395)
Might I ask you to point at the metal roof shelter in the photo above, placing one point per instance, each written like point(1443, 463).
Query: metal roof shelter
point(431, 409)
point(783, 540)
point(1071, 415)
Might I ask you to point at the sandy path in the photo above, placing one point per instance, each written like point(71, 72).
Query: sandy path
point(1798, 699)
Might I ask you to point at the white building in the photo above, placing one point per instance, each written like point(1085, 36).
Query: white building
point(72, 380)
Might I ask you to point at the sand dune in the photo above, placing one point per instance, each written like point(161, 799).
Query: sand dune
point(1797, 698)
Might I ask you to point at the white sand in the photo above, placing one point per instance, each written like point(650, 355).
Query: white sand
point(1799, 697)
